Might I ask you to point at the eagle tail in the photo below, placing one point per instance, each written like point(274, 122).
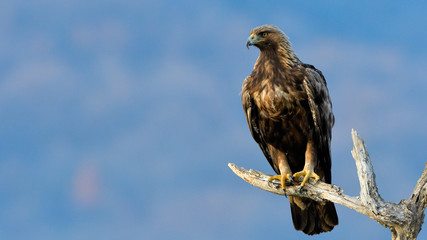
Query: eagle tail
point(312, 217)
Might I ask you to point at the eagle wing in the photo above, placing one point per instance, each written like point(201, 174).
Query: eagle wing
point(252, 117)
point(321, 111)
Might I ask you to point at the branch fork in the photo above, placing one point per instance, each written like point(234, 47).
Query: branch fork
point(404, 219)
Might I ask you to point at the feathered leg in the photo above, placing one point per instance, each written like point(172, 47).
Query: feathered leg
point(310, 164)
point(282, 167)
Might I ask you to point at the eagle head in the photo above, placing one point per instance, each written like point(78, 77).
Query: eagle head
point(267, 37)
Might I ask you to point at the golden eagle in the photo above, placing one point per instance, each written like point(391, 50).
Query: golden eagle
point(289, 113)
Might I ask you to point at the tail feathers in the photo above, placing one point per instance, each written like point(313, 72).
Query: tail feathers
point(312, 217)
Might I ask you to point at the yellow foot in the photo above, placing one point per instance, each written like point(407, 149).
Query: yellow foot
point(307, 175)
point(282, 179)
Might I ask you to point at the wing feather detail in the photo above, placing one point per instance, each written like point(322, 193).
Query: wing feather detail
point(252, 117)
point(321, 110)
point(313, 109)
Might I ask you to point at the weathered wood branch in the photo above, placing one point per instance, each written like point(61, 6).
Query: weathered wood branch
point(403, 219)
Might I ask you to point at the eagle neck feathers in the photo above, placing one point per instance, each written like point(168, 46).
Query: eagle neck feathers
point(281, 55)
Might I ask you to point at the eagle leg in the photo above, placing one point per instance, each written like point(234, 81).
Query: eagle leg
point(307, 175)
point(310, 162)
point(282, 179)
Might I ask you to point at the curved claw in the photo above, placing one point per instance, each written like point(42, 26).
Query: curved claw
point(307, 175)
point(282, 179)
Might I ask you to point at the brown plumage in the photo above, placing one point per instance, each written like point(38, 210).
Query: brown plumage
point(289, 113)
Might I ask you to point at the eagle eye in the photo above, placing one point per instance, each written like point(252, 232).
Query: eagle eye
point(264, 34)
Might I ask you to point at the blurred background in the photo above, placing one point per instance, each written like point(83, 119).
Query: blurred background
point(118, 118)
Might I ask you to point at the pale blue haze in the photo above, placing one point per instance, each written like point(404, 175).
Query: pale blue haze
point(118, 118)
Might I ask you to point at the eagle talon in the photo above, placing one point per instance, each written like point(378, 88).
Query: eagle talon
point(307, 175)
point(282, 179)
point(290, 181)
point(284, 191)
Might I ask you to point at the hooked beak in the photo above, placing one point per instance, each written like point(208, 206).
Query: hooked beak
point(250, 41)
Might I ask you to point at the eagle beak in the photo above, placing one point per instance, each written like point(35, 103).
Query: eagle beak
point(250, 41)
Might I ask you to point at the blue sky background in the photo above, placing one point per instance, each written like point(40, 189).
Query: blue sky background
point(118, 118)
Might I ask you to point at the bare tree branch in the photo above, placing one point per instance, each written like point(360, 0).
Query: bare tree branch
point(403, 219)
